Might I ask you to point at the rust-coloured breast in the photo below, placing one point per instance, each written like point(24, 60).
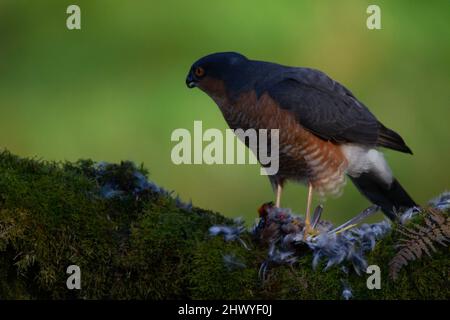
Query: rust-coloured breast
point(303, 156)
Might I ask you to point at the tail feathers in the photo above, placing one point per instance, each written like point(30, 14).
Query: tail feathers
point(390, 198)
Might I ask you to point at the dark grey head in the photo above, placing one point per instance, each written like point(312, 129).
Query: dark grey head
point(216, 66)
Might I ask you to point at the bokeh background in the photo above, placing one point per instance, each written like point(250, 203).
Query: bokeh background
point(115, 89)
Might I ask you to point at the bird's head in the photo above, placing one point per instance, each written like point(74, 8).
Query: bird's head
point(212, 71)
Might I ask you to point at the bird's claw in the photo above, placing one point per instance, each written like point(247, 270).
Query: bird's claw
point(309, 231)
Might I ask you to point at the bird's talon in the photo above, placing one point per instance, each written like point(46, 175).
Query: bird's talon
point(309, 231)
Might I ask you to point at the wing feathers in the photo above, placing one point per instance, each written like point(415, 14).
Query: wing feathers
point(390, 139)
point(329, 110)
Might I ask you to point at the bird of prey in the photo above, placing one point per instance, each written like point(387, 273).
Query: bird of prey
point(325, 132)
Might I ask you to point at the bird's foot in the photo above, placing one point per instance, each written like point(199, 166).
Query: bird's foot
point(310, 228)
point(309, 232)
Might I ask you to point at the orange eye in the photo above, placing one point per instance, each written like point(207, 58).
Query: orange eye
point(199, 72)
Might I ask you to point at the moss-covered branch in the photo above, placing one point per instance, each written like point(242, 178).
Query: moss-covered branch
point(132, 239)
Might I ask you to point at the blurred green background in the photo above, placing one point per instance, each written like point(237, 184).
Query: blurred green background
point(115, 89)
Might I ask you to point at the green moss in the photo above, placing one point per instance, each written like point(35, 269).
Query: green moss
point(52, 215)
point(211, 279)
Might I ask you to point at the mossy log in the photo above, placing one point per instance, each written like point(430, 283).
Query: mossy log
point(146, 245)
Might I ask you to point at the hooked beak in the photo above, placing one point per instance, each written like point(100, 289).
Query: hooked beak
point(190, 81)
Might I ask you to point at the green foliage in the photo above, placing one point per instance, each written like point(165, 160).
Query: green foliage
point(52, 215)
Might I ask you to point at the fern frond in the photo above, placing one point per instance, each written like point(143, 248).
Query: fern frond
point(420, 239)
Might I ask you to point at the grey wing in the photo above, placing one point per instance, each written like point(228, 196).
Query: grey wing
point(325, 107)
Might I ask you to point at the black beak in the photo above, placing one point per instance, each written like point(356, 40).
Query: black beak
point(190, 81)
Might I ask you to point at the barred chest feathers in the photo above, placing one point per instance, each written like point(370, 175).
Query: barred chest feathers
point(304, 157)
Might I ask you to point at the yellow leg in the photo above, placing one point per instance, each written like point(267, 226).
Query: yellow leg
point(308, 229)
point(278, 201)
